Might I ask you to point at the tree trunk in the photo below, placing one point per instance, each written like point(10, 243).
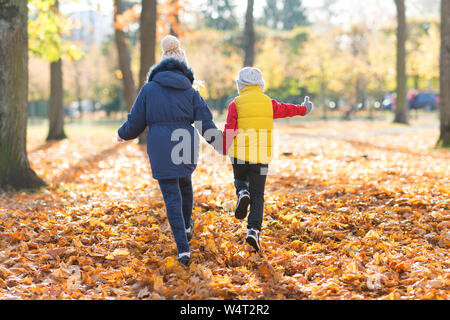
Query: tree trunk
point(416, 81)
point(148, 46)
point(129, 89)
point(148, 38)
point(56, 112)
point(401, 111)
point(15, 169)
point(249, 36)
point(444, 140)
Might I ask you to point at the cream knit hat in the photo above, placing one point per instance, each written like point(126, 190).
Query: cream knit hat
point(250, 77)
point(171, 49)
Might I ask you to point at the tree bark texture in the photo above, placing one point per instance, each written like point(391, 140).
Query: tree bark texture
point(444, 140)
point(56, 112)
point(129, 89)
point(147, 38)
point(148, 46)
point(401, 111)
point(249, 36)
point(15, 170)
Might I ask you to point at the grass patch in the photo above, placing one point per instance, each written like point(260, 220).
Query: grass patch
point(39, 129)
point(440, 145)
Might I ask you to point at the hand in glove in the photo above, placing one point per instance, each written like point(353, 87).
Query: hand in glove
point(308, 104)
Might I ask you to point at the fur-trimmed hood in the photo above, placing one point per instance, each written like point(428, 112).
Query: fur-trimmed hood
point(172, 73)
point(166, 103)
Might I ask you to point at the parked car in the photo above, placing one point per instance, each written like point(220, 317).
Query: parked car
point(388, 101)
point(424, 100)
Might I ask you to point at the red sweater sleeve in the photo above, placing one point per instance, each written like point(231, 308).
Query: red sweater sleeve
point(231, 127)
point(286, 110)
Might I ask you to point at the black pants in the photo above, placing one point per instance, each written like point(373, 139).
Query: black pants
point(251, 177)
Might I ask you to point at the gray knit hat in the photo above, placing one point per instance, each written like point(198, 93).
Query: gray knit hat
point(250, 77)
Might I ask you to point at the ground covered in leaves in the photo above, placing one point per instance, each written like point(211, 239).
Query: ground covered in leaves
point(354, 210)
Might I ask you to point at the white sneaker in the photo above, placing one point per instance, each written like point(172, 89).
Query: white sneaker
point(184, 258)
point(253, 238)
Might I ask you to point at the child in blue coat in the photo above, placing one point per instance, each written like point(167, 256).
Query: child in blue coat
point(169, 105)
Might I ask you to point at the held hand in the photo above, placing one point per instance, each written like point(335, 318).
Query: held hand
point(309, 105)
point(119, 139)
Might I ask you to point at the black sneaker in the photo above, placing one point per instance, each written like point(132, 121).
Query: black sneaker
point(253, 238)
point(184, 258)
point(242, 205)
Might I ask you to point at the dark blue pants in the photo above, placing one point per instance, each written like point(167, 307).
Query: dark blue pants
point(178, 197)
point(251, 177)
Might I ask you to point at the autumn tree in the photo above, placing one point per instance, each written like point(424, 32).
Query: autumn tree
point(444, 139)
point(272, 16)
point(56, 112)
point(220, 15)
point(380, 56)
point(401, 111)
point(358, 49)
point(214, 66)
point(129, 89)
point(321, 66)
point(423, 49)
point(15, 169)
point(46, 28)
point(174, 17)
point(293, 14)
point(170, 14)
point(286, 16)
point(249, 36)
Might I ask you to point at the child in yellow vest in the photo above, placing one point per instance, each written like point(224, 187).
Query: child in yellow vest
point(248, 141)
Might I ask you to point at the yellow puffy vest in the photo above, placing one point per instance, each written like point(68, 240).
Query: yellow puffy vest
point(255, 124)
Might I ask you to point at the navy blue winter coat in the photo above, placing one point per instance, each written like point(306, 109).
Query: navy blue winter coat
point(166, 104)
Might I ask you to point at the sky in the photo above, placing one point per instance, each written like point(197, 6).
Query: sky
point(344, 11)
point(106, 6)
